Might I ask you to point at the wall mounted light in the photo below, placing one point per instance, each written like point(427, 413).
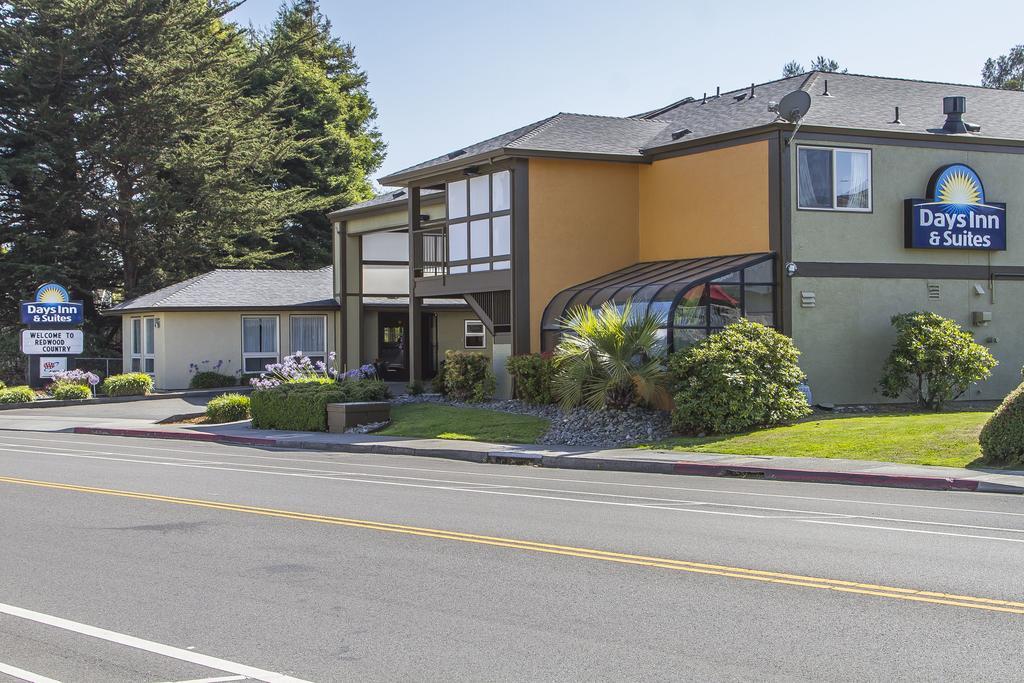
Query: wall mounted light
point(791, 269)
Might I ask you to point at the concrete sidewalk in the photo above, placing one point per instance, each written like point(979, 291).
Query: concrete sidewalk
point(820, 470)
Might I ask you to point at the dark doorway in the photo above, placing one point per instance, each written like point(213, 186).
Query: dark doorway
point(392, 345)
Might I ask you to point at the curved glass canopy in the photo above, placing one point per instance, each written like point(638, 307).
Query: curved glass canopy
point(693, 297)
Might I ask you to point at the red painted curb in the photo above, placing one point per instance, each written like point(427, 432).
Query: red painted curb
point(858, 478)
point(183, 436)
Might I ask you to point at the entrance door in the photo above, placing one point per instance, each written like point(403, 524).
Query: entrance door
point(391, 346)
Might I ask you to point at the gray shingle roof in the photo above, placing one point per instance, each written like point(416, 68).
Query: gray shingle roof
point(857, 102)
point(397, 196)
point(241, 289)
point(604, 136)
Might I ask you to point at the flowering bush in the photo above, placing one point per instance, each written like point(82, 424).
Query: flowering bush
point(80, 377)
point(209, 376)
point(301, 369)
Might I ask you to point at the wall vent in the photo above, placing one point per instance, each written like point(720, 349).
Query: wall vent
point(934, 291)
point(808, 300)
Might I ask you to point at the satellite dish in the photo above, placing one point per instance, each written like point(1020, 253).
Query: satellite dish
point(794, 106)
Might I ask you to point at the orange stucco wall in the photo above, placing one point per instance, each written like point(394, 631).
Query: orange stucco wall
point(709, 204)
point(583, 223)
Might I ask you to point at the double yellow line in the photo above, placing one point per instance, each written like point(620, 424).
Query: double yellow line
point(892, 592)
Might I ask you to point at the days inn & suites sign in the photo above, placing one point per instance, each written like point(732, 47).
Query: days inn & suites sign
point(955, 215)
point(52, 305)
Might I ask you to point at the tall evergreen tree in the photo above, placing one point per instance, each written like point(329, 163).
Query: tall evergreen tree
point(1005, 71)
point(132, 151)
point(330, 110)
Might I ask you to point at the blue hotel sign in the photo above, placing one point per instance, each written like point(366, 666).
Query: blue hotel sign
point(52, 305)
point(955, 215)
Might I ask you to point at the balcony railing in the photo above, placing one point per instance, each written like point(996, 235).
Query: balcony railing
point(432, 257)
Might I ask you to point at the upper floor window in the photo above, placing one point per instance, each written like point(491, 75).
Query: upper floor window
point(833, 179)
point(479, 223)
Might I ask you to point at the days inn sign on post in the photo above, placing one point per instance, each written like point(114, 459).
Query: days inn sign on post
point(955, 215)
point(53, 332)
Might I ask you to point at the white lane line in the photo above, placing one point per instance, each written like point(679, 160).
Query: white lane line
point(218, 679)
point(911, 531)
point(150, 646)
point(23, 675)
point(506, 492)
point(663, 503)
point(538, 477)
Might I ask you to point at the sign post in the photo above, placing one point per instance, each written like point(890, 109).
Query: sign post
point(53, 335)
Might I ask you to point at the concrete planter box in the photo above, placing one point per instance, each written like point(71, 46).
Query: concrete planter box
point(342, 416)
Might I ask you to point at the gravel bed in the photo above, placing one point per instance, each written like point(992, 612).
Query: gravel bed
point(578, 427)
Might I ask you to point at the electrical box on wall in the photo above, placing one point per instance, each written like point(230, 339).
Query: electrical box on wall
point(981, 318)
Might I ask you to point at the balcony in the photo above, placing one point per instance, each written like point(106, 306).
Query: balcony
point(436, 273)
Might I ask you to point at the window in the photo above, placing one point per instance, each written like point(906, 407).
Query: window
point(308, 334)
point(259, 343)
point(136, 345)
point(149, 346)
point(475, 335)
point(834, 179)
point(479, 223)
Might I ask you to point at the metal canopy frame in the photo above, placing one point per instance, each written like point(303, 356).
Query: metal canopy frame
point(654, 279)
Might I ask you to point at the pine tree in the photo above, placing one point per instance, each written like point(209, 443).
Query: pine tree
point(329, 109)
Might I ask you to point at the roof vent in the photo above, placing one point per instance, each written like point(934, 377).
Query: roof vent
point(954, 108)
point(456, 153)
point(826, 93)
point(682, 132)
point(397, 193)
point(897, 118)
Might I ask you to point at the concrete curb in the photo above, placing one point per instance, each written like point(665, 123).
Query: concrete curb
point(680, 467)
point(98, 400)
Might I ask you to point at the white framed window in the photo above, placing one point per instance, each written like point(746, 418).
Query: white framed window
point(479, 223)
point(833, 179)
point(308, 333)
point(476, 335)
point(136, 345)
point(149, 345)
point(259, 342)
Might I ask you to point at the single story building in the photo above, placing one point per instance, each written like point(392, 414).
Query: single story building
point(859, 198)
point(239, 321)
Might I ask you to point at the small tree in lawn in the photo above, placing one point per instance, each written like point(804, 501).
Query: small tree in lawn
point(933, 360)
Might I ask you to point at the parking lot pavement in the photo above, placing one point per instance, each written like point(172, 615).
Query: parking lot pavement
point(128, 414)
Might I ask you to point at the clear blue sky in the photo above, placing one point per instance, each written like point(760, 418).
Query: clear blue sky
point(445, 74)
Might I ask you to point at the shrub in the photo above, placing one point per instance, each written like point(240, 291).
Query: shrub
point(609, 359)
point(128, 384)
point(208, 379)
point(742, 377)
point(17, 395)
point(300, 368)
point(1002, 437)
point(414, 388)
point(67, 391)
point(80, 377)
point(2, 385)
point(302, 406)
point(467, 376)
point(533, 374)
point(228, 408)
point(933, 360)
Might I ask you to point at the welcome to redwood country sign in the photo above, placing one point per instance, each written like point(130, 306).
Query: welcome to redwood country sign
point(51, 342)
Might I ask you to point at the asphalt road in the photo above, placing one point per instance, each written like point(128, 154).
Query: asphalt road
point(142, 560)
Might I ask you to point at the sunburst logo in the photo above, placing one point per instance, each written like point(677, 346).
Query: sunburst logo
point(958, 185)
point(52, 293)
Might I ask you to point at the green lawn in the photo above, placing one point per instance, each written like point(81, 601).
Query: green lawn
point(949, 439)
point(433, 421)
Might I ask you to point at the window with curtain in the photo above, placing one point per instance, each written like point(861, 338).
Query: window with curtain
point(833, 179)
point(149, 346)
point(136, 347)
point(475, 335)
point(309, 334)
point(259, 342)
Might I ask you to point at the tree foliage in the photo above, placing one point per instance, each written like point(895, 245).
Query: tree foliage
point(819, 63)
point(933, 360)
point(1002, 437)
point(145, 141)
point(1005, 71)
point(609, 359)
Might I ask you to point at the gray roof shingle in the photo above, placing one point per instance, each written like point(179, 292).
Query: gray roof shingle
point(857, 102)
point(241, 289)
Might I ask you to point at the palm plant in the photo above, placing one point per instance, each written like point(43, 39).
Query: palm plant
point(608, 359)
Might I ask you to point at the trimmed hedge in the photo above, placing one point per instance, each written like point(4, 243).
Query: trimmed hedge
point(69, 391)
point(743, 377)
point(467, 376)
point(532, 374)
point(208, 379)
point(128, 384)
point(302, 406)
point(228, 408)
point(17, 395)
point(1002, 437)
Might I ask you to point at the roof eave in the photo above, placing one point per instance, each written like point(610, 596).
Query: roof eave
point(382, 207)
point(405, 178)
point(207, 309)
